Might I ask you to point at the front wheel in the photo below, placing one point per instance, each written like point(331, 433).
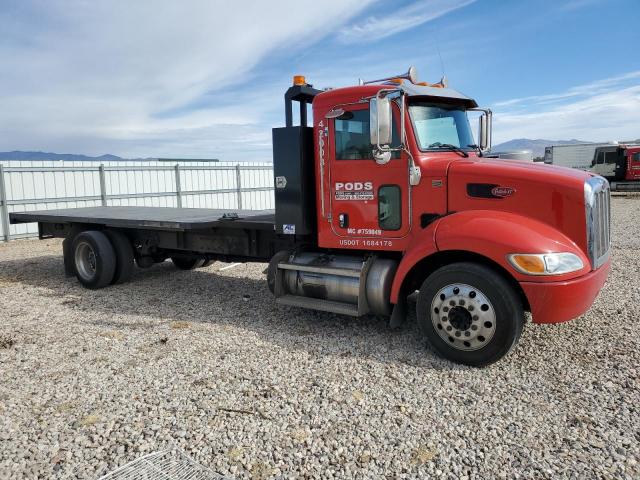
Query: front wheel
point(470, 314)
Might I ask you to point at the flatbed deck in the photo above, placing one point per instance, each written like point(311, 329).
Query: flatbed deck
point(163, 218)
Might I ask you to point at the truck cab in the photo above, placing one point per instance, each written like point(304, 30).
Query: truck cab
point(376, 197)
point(403, 190)
point(633, 162)
point(617, 162)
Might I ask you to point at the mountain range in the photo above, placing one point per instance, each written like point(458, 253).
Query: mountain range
point(21, 155)
point(536, 146)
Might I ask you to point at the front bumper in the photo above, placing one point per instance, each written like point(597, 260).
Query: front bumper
point(555, 302)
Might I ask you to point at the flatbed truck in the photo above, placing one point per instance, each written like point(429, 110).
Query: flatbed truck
point(384, 196)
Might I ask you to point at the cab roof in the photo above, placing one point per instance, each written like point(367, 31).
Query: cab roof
point(435, 92)
point(330, 98)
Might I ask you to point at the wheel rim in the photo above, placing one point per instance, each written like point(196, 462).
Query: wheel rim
point(463, 317)
point(85, 261)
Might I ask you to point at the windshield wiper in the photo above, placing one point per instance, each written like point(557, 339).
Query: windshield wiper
point(449, 146)
point(476, 147)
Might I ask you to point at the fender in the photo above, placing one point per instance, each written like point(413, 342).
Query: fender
point(423, 244)
point(491, 234)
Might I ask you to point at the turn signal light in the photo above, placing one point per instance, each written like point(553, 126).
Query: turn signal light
point(299, 80)
point(532, 264)
point(546, 264)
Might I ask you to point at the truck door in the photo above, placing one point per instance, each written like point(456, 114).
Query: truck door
point(633, 164)
point(369, 203)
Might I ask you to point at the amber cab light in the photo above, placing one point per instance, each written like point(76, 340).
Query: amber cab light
point(546, 264)
point(299, 80)
point(531, 264)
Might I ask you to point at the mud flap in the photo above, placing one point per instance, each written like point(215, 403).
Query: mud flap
point(399, 313)
point(67, 250)
point(67, 254)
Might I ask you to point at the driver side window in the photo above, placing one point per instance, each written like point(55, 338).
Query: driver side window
point(353, 138)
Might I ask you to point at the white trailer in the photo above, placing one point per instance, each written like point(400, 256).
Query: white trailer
point(578, 155)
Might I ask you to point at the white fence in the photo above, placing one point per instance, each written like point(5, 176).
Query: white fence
point(28, 186)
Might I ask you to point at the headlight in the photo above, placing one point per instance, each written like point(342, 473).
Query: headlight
point(545, 263)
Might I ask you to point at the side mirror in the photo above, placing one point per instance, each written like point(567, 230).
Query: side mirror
point(484, 133)
point(380, 121)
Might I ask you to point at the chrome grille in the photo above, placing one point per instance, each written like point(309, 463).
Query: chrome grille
point(598, 218)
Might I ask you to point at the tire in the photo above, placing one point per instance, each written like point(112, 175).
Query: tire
point(187, 263)
point(94, 259)
point(67, 250)
point(207, 263)
point(470, 314)
point(272, 269)
point(124, 256)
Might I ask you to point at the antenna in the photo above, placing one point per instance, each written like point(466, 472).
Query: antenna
point(444, 74)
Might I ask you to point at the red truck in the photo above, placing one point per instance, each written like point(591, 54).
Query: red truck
point(387, 195)
point(619, 164)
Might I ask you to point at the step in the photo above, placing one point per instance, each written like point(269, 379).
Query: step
point(318, 304)
point(340, 272)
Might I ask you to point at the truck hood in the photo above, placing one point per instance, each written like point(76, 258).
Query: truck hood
point(551, 194)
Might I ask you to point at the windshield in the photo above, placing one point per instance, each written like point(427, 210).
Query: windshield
point(439, 125)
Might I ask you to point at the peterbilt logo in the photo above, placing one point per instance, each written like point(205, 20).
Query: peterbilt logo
point(502, 191)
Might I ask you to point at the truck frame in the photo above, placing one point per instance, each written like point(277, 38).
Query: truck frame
point(384, 196)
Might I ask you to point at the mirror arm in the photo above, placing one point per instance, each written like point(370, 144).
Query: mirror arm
point(402, 114)
point(378, 127)
point(415, 174)
point(488, 113)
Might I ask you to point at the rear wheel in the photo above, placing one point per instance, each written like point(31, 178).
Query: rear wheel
point(124, 256)
point(187, 263)
point(470, 314)
point(94, 259)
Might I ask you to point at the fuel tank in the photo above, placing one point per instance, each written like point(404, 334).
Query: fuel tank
point(343, 278)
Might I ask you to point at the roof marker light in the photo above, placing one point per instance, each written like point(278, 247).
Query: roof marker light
point(299, 80)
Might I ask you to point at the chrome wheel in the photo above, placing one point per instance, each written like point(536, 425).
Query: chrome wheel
point(463, 316)
point(85, 258)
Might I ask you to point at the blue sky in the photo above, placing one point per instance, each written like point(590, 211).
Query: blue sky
point(205, 79)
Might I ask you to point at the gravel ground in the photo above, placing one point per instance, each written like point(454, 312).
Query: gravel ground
point(206, 362)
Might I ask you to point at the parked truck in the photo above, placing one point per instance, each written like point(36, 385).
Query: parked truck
point(620, 164)
point(386, 196)
point(577, 155)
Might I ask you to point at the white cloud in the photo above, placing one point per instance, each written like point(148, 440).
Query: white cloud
point(398, 20)
point(93, 77)
point(589, 89)
point(599, 111)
